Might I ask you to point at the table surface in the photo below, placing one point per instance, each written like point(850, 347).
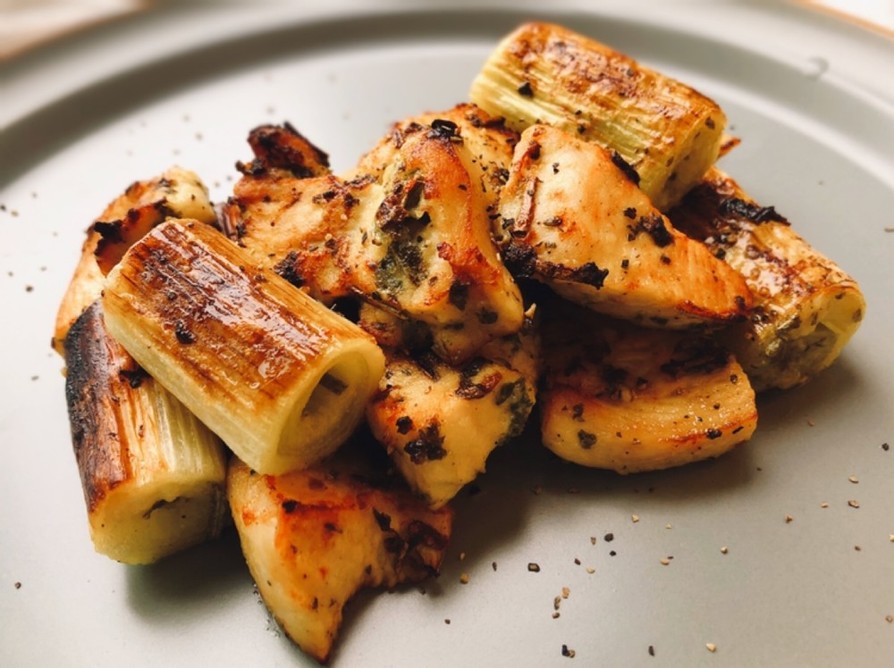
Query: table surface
point(26, 24)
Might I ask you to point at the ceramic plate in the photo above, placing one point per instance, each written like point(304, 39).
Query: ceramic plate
point(811, 98)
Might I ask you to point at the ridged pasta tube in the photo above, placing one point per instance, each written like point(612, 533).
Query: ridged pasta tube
point(667, 132)
point(279, 377)
point(153, 475)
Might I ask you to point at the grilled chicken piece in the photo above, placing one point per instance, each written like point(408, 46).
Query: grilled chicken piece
point(439, 423)
point(152, 474)
point(543, 73)
point(627, 398)
point(313, 538)
point(570, 216)
point(282, 379)
point(806, 307)
point(177, 193)
point(408, 230)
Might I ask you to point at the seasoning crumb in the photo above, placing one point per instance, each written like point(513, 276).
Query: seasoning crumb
point(17, 585)
point(464, 578)
point(566, 592)
point(462, 556)
point(533, 567)
point(853, 479)
point(885, 447)
point(576, 561)
point(493, 565)
point(651, 650)
point(447, 621)
point(891, 538)
point(824, 505)
point(668, 526)
point(853, 503)
point(664, 561)
point(609, 537)
point(789, 519)
point(590, 570)
point(29, 288)
point(810, 423)
point(612, 553)
point(592, 540)
point(567, 652)
point(634, 518)
point(889, 619)
point(724, 549)
point(711, 647)
point(857, 548)
point(557, 602)
point(556, 614)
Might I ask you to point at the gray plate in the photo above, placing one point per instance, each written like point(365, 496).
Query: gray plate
point(812, 99)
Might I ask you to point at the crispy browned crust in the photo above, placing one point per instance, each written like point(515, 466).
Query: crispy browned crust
point(100, 376)
point(571, 216)
point(143, 205)
point(313, 538)
point(407, 229)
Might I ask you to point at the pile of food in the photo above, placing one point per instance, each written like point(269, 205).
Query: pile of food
point(562, 240)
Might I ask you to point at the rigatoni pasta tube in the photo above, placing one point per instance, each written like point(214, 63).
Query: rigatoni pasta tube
point(279, 377)
point(544, 73)
point(153, 475)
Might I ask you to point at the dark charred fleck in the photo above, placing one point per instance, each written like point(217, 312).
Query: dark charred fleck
point(533, 567)
point(630, 212)
point(290, 506)
point(486, 316)
point(458, 295)
point(625, 167)
point(654, 226)
point(525, 90)
point(585, 439)
point(287, 268)
point(183, 333)
point(533, 152)
point(520, 259)
point(591, 275)
point(134, 377)
point(713, 433)
point(382, 519)
point(404, 424)
point(734, 206)
point(428, 362)
point(577, 412)
point(429, 446)
point(442, 128)
point(109, 230)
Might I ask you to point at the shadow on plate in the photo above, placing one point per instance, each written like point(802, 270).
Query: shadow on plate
point(182, 585)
